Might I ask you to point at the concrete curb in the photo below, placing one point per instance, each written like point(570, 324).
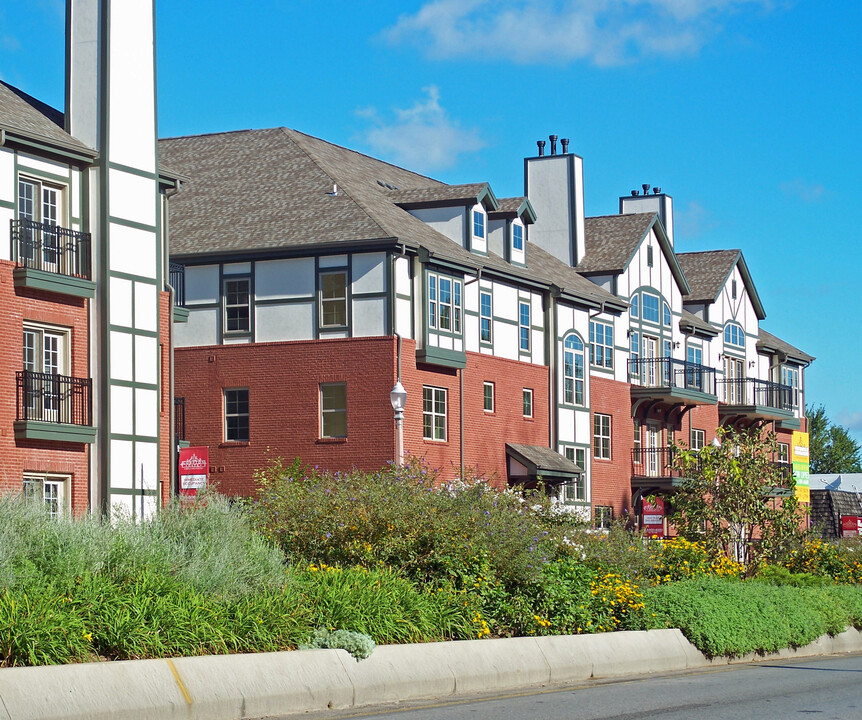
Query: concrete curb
point(232, 687)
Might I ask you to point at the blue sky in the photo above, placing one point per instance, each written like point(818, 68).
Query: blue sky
point(747, 112)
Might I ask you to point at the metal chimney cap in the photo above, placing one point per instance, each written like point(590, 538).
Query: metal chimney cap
point(565, 143)
point(656, 191)
point(541, 144)
point(635, 193)
point(645, 186)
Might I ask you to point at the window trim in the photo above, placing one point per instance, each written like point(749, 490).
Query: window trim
point(435, 304)
point(577, 396)
point(479, 223)
point(59, 479)
point(324, 411)
point(602, 434)
point(321, 325)
point(515, 247)
point(226, 415)
point(486, 396)
point(608, 349)
point(433, 414)
point(489, 317)
point(731, 329)
point(603, 517)
point(243, 277)
point(649, 310)
point(527, 402)
point(524, 329)
point(693, 444)
point(634, 309)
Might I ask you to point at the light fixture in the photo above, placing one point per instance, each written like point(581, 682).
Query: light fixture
point(398, 399)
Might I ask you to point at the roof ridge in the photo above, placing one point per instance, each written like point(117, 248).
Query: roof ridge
point(619, 215)
point(361, 205)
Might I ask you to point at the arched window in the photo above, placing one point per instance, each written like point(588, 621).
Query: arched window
point(666, 318)
point(734, 335)
point(634, 308)
point(573, 370)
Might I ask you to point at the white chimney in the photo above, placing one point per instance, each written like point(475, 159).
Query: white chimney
point(652, 200)
point(555, 186)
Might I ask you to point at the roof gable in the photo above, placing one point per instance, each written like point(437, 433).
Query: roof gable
point(708, 271)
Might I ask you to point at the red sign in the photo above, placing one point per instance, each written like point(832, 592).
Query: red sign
point(851, 525)
point(194, 469)
point(653, 517)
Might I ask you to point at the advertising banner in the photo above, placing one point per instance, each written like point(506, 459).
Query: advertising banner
point(799, 457)
point(653, 517)
point(194, 469)
point(851, 525)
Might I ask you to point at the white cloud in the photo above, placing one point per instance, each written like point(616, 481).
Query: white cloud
point(692, 221)
point(850, 420)
point(807, 192)
point(422, 137)
point(604, 32)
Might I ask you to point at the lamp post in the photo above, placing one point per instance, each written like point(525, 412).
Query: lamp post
point(398, 398)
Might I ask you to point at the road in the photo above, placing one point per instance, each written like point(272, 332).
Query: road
point(830, 688)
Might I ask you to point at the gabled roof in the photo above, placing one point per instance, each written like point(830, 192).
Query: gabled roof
point(271, 191)
point(519, 207)
point(446, 195)
point(541, 460)
point(611, 241)
point(30, 121)
point(707, 274)
point(691, 323)
point(769, 343)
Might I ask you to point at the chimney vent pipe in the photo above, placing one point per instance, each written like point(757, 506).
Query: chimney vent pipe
point(565, 143)
point(541, 144)
point(553, 139)
point(645, 186)
point(656, 191)
point(635, 193)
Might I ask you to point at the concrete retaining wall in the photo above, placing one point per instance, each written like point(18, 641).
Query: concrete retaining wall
point(252, 686)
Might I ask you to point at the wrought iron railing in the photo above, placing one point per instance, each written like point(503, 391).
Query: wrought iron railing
point(177, 277)
point(53, 398)
point(654, 462)
point(179, 418)
point(672, 373)
point(749, 391)
point(51, 248)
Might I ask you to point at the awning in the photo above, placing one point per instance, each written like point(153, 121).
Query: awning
point(533, 461)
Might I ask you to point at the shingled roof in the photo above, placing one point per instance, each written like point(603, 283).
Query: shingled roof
point(707, 274)
point(515, 207)
point(22, 114)
point(767, 342)
point(470, 194)
point(256, 191)
point(690, 322)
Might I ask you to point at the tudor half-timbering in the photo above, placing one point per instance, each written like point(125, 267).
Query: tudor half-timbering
point(86, 411)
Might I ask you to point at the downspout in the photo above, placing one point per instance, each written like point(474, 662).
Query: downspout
point(174, 478)
point(461, 419)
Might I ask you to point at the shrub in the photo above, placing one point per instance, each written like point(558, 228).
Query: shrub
point(840, 561)
point(357, 644)
point(680, 559)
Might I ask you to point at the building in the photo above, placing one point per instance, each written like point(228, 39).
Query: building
point(533, 342)
point(85, 402)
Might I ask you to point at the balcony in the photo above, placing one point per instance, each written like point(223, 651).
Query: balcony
point(749, 400)
point(53, 407)
point(672, 382)
point(652, 469)
point(52, 258)
point(177, 280)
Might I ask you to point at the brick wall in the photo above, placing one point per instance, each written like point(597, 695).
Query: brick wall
point(485, 434)
point(17, 457)
point(611, 479)
point(283, 380)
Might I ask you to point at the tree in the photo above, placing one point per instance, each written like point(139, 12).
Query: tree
point(735, 499)
point(831, 448)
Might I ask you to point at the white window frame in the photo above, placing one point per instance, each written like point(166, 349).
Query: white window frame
point(647, 312)
point(574, 491)
point(486, 395)
point(527, 402)
point(44, 397)
point(338, 301)
point(734, 335)
point(479, 224)
point(783, 452)
point(697, 438)
point(790, 377)
point(603, 517)
point(515, 245)
point(606, 345)
point(602, 427)
point(329, 412)
point(50, 489)
point(666, 316)
point(486, 332)
point(227, 305)
point(436, 304)
point(430, 416)
point(573, 382)
point(524, 328)
point(634, 309)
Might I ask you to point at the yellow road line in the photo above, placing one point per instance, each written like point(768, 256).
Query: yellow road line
point(179, 681)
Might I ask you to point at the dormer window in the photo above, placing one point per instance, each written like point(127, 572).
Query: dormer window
point(478, 224)
point(444, 303)
point(517, 237)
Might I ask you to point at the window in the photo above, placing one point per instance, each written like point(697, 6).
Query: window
point(47, 489)
point(666, 317)
point(333, 299)
point(790, 377)
point(698, 438)
point(517, 237)
point(602, 436)
point(634, 310)
point(635, 351)
point(601, 344)
point(573, 370)
point(237, 304)
point(649, 258)
point(694, 354)
point(733, 289)
point(333, 410)
point(444, 303)
point(528, 403)
point(575, 490)
point(783, 453)
point(636, 453)
point(524, 326)
point(485, 317)
point(236, 415)
point(488, 396)
point(734, 335)
point(44, 359)
point(603, 516)
point(650, 308)
point(40, 203)
point(478, 224)
point(433, 413)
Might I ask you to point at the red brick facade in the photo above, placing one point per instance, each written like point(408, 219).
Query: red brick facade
point(611, 479)
point(20, 456)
